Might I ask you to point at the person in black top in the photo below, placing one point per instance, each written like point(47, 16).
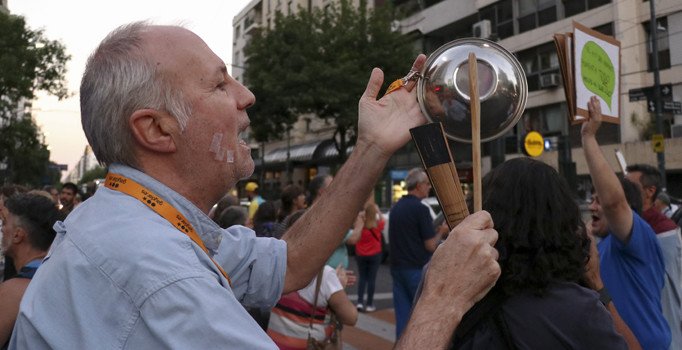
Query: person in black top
point(27, 234)
point(541, 300)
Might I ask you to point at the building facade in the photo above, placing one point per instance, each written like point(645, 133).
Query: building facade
point(526, 27)
point(87, 161)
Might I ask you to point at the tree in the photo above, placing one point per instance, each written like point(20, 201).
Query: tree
point(25, 157)
point(29, 62)
point(318, 62)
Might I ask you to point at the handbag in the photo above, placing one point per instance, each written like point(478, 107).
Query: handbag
point(333, 342)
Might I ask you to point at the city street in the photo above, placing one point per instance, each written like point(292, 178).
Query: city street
point(374, 330)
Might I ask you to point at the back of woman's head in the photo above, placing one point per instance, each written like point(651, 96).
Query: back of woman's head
point(371, 214)
point(541, 234)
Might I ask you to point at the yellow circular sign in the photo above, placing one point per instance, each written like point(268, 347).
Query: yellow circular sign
point(534, 144)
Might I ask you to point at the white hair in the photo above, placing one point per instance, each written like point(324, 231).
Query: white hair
point(119, 79)
point(414, 177)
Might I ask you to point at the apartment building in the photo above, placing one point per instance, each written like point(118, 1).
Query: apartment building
point(525, 27)
point(3, 6)
point(87, 162)
point(309, 148)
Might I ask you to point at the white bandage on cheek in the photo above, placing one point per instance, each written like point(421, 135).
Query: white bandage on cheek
point(215, 144)
point(221, 153)
point(229, 156)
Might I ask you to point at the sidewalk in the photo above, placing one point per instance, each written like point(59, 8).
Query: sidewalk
point(375, 331)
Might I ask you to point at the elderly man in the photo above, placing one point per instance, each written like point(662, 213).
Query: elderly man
point(140, 265)
point(412, 240)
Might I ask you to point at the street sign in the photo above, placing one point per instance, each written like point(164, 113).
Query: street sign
point(398, 174)
point(673, 107)
point(657, 143)
point(647, 93)
point(534, 144)
point(651, 106)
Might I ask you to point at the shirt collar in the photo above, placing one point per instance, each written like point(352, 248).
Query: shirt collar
point(208, 231)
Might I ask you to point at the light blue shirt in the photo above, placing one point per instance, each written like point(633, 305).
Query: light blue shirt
point(119, 276)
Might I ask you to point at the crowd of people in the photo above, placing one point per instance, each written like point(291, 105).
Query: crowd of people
point(160, 257)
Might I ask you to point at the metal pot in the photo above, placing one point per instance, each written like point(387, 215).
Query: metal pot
point(443, 88)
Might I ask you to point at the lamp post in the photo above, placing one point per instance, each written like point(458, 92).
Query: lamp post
point(288, 163)
point(653, 31)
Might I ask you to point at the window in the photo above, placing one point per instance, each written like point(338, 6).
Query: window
point(525, 15)
point(501, 17)
point(536, 13)
point(574, 7)
point(548, 120)
point(663, 44)
point(537, 62)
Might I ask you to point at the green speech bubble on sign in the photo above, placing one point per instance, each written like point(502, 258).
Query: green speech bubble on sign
point(597, 71)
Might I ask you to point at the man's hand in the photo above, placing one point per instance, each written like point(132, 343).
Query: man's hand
point(593, 122)
point(462, 270)
point(386, 122)
point(464, 267)
point(346, 277)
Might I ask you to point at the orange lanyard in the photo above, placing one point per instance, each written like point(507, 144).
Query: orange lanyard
point(150, 199)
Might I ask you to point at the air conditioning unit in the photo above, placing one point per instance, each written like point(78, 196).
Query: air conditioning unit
point(482, 29)
point(676, 130)
point(549, 80)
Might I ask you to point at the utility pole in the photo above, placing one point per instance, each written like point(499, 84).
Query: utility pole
point(653, 31)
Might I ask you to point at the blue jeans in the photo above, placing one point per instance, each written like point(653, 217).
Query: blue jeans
point(405, 283)
point(368, 266)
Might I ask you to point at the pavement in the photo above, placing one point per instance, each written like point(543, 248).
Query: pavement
point(374, 330)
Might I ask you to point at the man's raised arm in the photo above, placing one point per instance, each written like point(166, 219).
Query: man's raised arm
point(607, 186)
point(383, 127)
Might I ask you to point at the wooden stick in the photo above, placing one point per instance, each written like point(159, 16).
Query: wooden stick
point(475, 105)
point(436, 157)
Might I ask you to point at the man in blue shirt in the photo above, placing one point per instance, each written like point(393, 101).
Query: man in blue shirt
point(140, 265)
point(412, 240)
point(631, 260)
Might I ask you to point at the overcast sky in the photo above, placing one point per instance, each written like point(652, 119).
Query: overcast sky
point(81, 24)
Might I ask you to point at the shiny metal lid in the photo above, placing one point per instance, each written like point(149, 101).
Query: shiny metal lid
point(443, 89)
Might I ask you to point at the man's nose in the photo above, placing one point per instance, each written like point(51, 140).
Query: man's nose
point(245, 98)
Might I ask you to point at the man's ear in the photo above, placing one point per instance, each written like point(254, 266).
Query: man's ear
point(19, 235)
point(155, 130)
point(650, 190)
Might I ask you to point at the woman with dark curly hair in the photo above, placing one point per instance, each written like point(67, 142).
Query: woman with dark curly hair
point(540, 301)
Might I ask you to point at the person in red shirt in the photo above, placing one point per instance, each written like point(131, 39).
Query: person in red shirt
point(368, 254)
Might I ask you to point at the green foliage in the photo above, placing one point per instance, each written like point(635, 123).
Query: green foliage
point(29, 62)
point(95, 173)
point(319, 62)
point(27, 158)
